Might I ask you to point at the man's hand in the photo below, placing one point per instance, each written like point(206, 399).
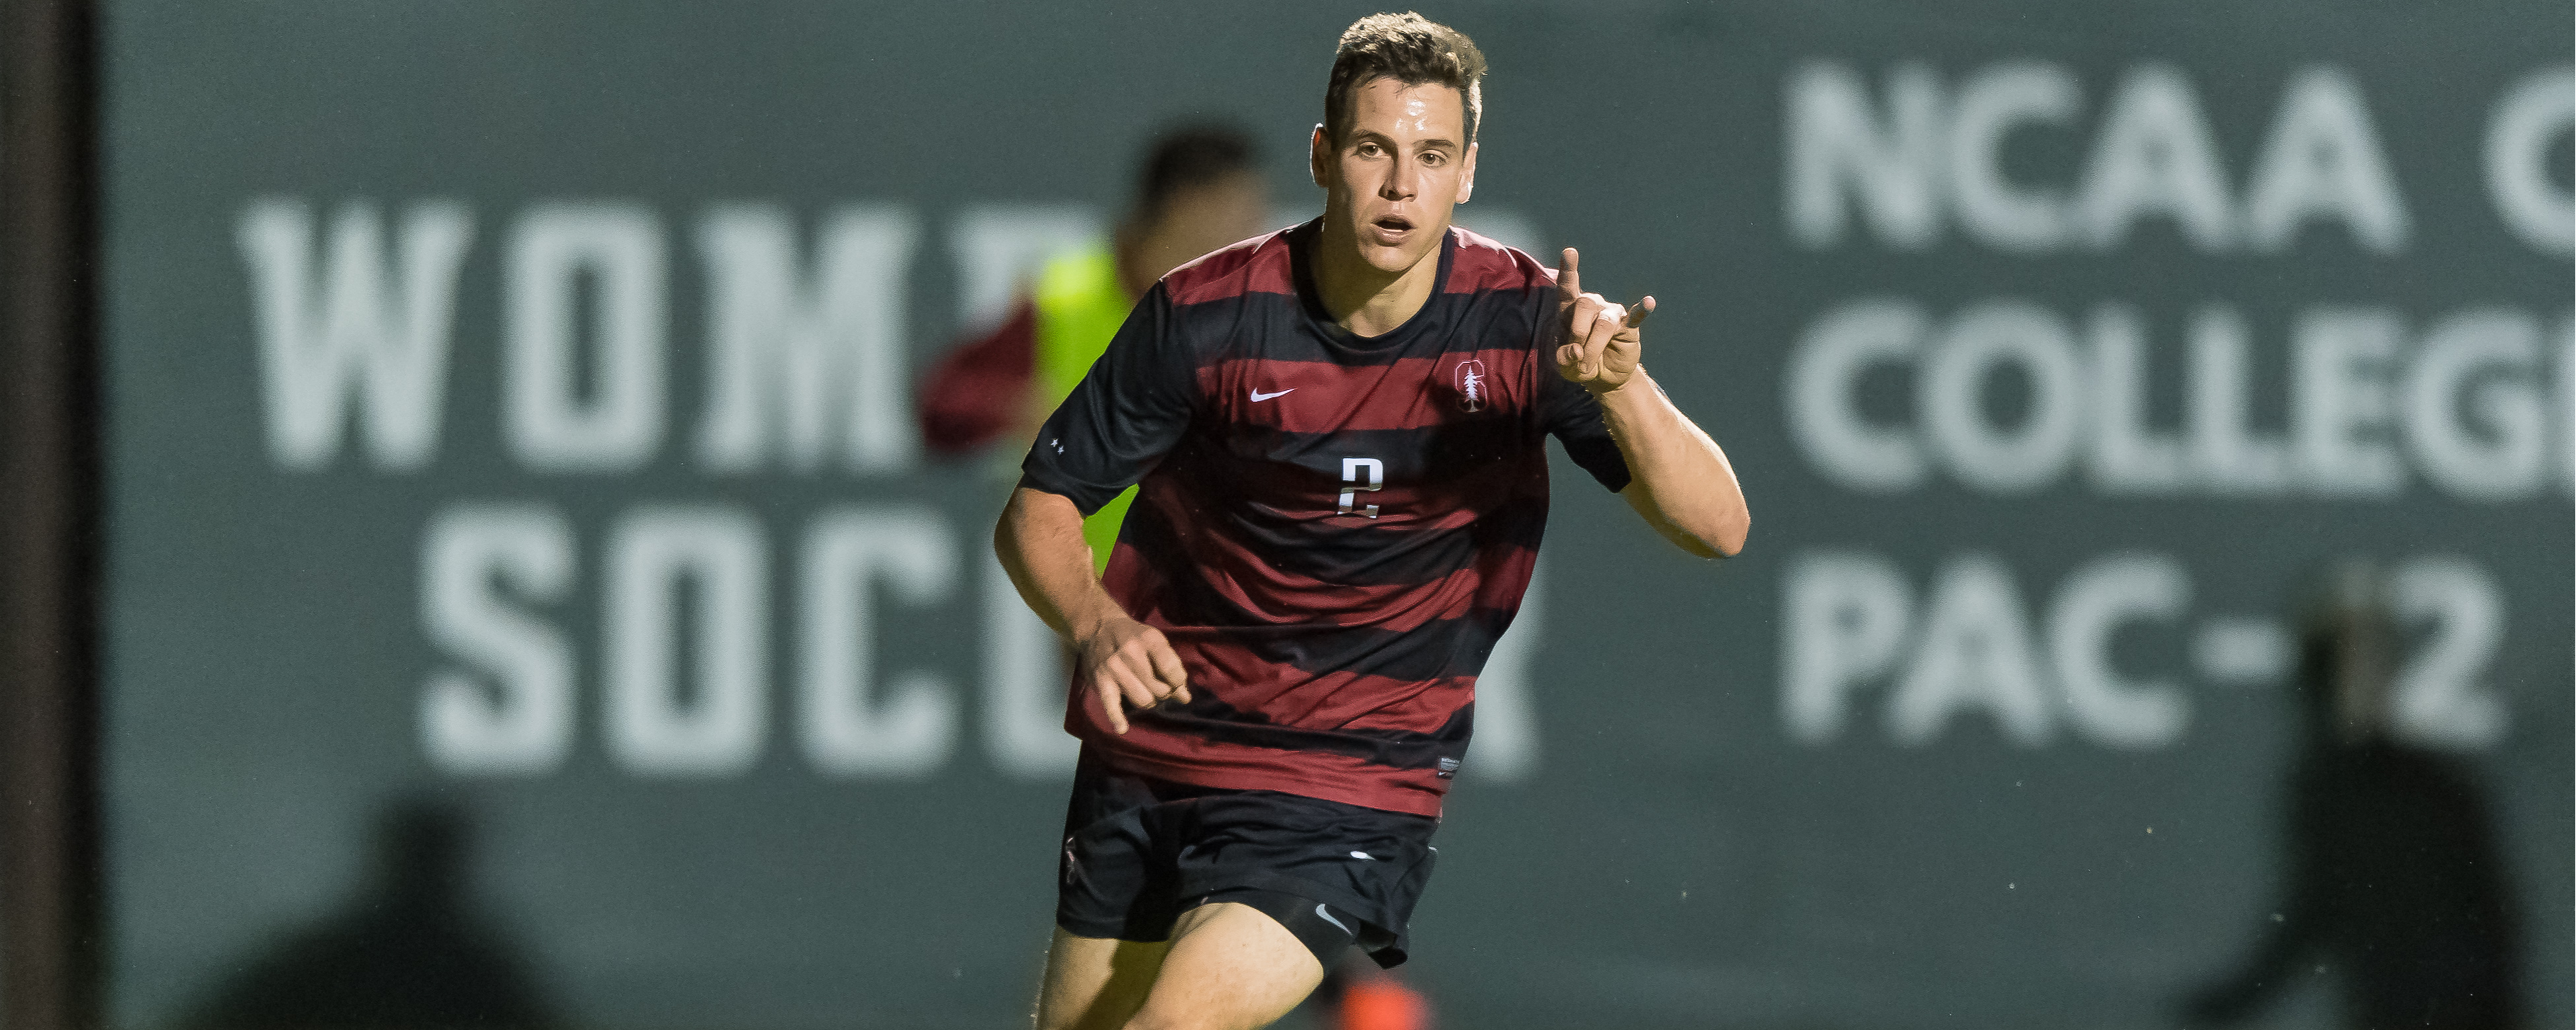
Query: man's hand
point(1127, 661)
point(1602, 339)
point(1122, 661)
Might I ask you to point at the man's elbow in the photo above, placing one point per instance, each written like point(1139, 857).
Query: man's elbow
point(1732, 538)
point(1725, 540)
point(1006, 528)
point(1712, 543)
point(1034, 520)
point(1705, 531)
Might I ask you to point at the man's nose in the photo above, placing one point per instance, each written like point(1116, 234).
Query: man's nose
point(1401, 180)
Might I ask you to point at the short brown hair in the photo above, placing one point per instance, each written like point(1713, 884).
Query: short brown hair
point(1410, 49)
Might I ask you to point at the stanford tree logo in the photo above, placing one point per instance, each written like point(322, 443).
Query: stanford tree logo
point(1470, 379)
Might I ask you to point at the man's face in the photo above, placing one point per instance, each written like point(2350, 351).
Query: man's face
point(1400, 166)
point(1200, 219)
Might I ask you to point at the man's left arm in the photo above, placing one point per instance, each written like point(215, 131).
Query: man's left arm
point(1680, 481)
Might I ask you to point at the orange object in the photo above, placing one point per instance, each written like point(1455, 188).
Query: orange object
point(1383, 1003)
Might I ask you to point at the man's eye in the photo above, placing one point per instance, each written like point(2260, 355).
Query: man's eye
point(1368, 150)
point(1434, 158)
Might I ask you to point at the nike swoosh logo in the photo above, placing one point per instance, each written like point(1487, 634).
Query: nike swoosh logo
point(1258, 396)
point(1337, 924)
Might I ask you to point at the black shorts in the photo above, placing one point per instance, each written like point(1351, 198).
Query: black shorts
point(1139, 851)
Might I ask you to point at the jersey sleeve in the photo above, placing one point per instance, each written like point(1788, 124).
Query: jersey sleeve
point(1127, 412)
point(1574, 416)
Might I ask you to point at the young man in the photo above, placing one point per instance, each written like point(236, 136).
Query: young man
point(1338, 435)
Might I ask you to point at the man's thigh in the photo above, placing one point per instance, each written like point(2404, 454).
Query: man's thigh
point(1095, 983)
point(1228, 967)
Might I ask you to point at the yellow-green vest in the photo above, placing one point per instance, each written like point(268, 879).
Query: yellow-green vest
point(1080, 307)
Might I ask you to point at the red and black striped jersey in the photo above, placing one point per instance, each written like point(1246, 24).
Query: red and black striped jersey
point(1332, 530)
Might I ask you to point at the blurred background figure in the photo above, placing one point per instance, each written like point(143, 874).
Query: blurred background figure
point(410, 950)
point(2394, 885)
point(1199, 189)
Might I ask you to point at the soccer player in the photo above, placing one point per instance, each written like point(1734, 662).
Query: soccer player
point(1337, 431)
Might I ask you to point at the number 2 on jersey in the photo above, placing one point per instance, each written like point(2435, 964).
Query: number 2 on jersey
point(1353, 485)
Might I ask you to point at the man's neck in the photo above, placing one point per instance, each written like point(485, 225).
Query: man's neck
point(1363, 298)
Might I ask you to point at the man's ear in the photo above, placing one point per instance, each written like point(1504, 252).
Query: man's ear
point(1467, 176)
point(1319, 158)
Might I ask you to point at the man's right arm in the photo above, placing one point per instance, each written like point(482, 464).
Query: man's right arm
point(1122, 661)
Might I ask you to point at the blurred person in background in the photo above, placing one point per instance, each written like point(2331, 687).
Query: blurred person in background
point(1337, 433)
point(1200, 188)
point(2393, 880)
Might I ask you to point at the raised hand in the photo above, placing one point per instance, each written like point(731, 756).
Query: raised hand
point(1603, 340)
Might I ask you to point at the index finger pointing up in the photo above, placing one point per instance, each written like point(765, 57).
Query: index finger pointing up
point(1568, 284)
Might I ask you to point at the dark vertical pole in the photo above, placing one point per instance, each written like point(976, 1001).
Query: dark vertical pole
point(49, 475)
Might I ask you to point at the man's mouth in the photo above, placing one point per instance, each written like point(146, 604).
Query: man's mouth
point(1390, 229)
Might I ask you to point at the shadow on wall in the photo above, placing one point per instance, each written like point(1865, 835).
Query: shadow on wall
point(2394, 886)
point(410, 950)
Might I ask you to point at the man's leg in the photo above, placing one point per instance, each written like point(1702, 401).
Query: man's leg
point(1228, 967)
point(1095, 983)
